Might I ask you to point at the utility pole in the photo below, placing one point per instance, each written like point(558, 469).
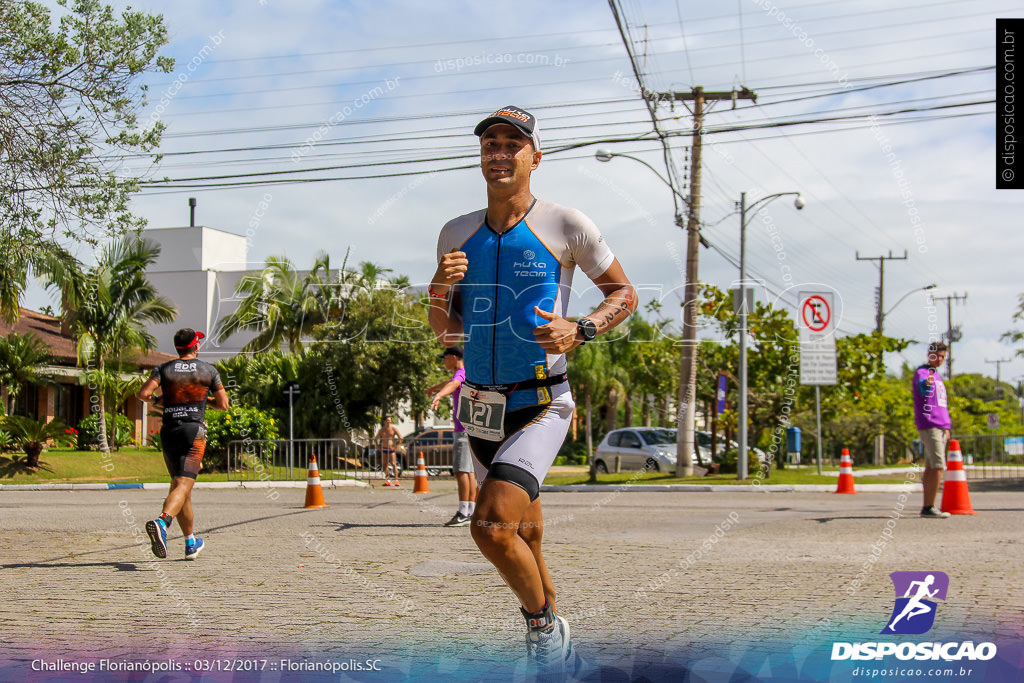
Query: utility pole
point(998, 363)
point(952, 334)
point(685, 416)
point(879, 315)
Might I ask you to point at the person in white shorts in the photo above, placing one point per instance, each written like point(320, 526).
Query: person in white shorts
point(462, 457)
point(502, 285)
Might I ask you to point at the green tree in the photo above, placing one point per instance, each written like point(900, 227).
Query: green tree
point(69, 103)
point(972, 397)
point(654, 361)
point(1016, 336)
point(378, 353)
point(281, 305)
point(588, 365)
point(112, 303)
point(22, 359)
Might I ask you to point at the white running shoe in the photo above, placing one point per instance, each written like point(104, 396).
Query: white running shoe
point(546, 651)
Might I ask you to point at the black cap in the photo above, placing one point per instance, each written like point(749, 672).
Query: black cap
point(186, 338)
point(452, 351)
point(514, 116)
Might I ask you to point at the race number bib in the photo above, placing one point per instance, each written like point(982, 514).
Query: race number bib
point(482, 413)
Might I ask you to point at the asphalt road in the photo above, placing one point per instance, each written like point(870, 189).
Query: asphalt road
point(654, 584)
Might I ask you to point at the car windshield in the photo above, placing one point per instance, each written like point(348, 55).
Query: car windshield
point(654, 437)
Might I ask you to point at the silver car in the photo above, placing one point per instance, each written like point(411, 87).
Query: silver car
point(638, 448)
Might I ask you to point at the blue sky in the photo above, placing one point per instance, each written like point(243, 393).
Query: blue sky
point(273, 73)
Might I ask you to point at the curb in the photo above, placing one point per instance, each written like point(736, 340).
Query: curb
point(156, 486)
point(728, 488)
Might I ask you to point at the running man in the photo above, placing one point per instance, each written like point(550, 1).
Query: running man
point(389, 440)
point(186, 385)
point(462, 458)
point(915, 606)
point(503, 281)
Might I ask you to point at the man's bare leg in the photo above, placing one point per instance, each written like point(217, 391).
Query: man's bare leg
point(500, 509)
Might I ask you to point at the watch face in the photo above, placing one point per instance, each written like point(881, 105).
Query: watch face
point(587, 328)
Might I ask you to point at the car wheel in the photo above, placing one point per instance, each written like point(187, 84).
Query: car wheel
point(600, 467)
point(652, 465)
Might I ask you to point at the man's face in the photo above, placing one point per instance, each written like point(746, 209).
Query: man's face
point(506, 155)
point(936, 358)
point(449, 362)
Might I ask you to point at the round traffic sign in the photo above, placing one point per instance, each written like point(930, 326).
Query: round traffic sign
point(816, 313)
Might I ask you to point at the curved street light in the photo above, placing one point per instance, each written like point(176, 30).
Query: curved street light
point(902, 298)
point(606, 155)
point(741, 437)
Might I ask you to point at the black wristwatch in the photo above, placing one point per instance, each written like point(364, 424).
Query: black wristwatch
point(587, 328)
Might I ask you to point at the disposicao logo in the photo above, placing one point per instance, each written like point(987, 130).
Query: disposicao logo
point(916, 593)
point(913, 614)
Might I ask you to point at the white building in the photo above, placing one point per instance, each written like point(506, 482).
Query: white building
point(198, 269)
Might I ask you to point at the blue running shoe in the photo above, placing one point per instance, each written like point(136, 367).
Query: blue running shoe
point(158, 537)
point(193, 549)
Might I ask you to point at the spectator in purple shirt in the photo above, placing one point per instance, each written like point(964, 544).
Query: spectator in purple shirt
point(465, 471)
point(931, 415)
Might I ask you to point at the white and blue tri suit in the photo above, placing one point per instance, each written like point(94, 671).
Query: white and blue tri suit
point(508, 274)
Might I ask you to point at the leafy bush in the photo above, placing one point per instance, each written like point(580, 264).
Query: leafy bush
point(572, 453)
point(729, 462)
point(89, 431)
point(235, 424)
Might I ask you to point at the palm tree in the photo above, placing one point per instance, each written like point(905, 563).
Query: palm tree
point(21, 258)
point(588, 368)
point(111, 304)
point(280, 305)
point(33, 434)
point(22, 359)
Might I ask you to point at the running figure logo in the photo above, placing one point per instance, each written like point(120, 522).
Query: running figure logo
point(916, 592)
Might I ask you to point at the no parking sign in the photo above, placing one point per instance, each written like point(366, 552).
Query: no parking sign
point(816, 319)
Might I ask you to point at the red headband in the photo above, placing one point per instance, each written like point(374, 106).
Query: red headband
point(194, 342)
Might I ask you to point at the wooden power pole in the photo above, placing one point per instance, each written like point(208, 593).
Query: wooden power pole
point(685, 415)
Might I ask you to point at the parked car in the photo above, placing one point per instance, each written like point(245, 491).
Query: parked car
point(436, 444)
point(651, 448)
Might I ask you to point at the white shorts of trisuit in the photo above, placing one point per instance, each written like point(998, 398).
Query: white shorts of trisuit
point(534, 447)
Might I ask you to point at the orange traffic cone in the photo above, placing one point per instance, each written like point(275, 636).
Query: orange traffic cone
point(314, 492)
point(955, 499)
point(421, 476)
point(845, 473)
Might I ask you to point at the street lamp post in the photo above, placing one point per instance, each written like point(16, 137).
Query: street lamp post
point(741, 458)
point(685, 442)
point(882, 318)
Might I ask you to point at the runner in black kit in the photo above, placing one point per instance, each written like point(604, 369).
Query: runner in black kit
point(186, 384)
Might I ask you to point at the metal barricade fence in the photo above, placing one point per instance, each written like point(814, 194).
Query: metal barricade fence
point(284, 460)
point(281, 460)
point(992, 456)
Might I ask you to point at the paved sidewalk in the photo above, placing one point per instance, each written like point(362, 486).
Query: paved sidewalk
point(650, 582)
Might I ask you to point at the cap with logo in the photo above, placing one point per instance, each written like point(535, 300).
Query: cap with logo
point(523, 120)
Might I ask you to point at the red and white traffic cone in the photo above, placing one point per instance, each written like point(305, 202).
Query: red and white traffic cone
point(845, 473)
point(955, 498)
point(314, 492)
point(421, 476)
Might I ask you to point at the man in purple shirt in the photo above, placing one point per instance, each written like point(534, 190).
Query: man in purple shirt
point(465, 472)
point(931, 415)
